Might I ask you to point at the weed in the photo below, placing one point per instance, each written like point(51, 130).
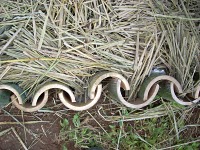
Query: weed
point(154, 133)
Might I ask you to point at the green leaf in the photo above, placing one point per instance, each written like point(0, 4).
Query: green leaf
point(64, 147)
point(65, 123)
point(76, 120)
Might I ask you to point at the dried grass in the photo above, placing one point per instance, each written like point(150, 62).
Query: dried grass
point(181, 52)
point(70, 41)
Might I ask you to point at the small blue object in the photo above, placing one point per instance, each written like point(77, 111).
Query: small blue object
point(158, 71)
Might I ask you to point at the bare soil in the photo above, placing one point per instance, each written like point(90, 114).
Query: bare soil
point(38, 131)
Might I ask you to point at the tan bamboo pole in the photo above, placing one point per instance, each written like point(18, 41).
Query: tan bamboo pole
point(197, 93)
point(38, 102)
point(94, 91)
point(174, 91)
point(147, 93)
point(80, 106)
point(99, 77)
point(6, 90)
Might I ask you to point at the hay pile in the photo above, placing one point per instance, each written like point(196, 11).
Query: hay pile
point(68, 41)
point(181, 51)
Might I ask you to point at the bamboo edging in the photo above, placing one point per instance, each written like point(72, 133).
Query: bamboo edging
point(146, 95)
point(149, 90)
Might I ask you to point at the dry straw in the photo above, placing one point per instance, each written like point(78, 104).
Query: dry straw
point(69, 41)
point(180, 53)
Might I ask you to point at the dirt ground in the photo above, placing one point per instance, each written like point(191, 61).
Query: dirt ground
point(39, 132)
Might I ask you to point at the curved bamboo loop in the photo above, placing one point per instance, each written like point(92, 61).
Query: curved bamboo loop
point(38, 102)
point(175, 90)
point(16, 90)
point(99, 77)
point(82, 105)
point(149, 90)
point(94, 91)
point(115, 92)
point(146, 95)
point(52, 85)
point(197, 93)
point(154, 82)
point(29, 108)
point(18, 96)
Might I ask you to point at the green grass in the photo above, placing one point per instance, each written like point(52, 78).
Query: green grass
point(171, 131)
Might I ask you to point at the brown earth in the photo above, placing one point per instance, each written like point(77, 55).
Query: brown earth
point(40, 130)
point(41, 135)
